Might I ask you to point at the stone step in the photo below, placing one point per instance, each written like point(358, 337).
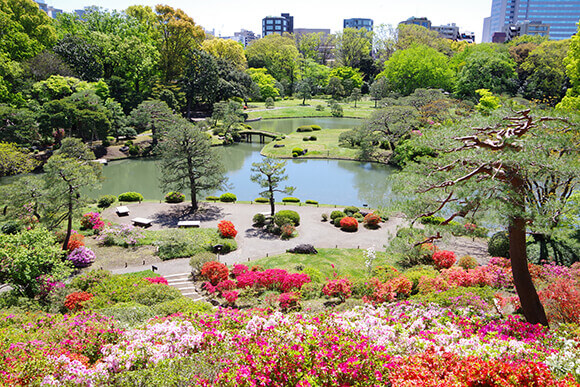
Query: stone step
point(181, 282)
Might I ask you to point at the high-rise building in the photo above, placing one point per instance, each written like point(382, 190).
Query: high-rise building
point(277, 24)
point(358, 23)
point(559, 17)
point(245, 37)
point(418, 21)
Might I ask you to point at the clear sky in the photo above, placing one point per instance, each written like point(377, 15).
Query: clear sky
point(228, 16)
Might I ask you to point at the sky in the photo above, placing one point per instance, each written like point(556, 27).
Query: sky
point(229, 16)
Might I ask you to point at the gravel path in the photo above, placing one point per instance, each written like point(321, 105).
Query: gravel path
point(253, 243)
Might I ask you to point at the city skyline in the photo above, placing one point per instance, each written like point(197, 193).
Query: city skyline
point(227, 16)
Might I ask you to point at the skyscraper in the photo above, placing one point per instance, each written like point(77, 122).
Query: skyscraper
point(562, 16)
point(277, 24)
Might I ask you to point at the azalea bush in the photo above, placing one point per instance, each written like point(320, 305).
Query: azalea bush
point(443, 259)
point(75, 241)
point(215, 272)
point(92, 221)
point(349, 224)
point(74, 301)
point(227, 229)
point(81, 257)
point(340, 288)
point(124, 236)
point(372, 220)
point(156, 280)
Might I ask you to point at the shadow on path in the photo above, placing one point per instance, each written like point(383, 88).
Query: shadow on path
point(260, 234)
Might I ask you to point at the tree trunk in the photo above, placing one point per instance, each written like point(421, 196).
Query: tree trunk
point(272, 209)
point(531, 305)
point(69, 224)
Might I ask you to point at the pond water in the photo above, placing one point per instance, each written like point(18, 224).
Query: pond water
point(326, 181)
point(288, 125)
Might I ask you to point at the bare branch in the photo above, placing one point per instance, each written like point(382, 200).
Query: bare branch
point(429, 239)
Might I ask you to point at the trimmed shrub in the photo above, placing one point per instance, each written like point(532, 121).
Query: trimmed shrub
point(349, 224)
point(198, 260)
point(315, 127)
point(443, 259)
point(351, 210)
point(10, 227)
point(300, 151)
point(308, 201)
point(134, 150)
point(319, 108)
point(311, 290)
point(499, 245)
point(259, 220)
point(336, 221)
point(212, 198)
point(291, 200)
point(324, 217)
point(228, 197)
point(467, 262)
point(262, 200)
point(295, 154)
point(292, 215)
point(372, 220)
point(303, 249)
point(337, 214)
point(435, 220)
point(304, 128)
point(416, 272)
point(105, 201)
point(181, 305)
point(358, 216)
point(313, 138)
point(215, 272)
point(130, 197)
point(306, 138)
point(174, 197)
point(156, 294)
point(227, 229)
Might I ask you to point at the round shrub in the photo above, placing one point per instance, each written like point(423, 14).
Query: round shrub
point(349, 224)
point(313, 138)
point(10, 227)
point(351, 210)
point(291, 200)
point(499, 245)
point(443, 259)
point(134, 150)
point(372, 220)
point(336, 221)
point(324, 217)
point(174, 197)
point(259, 220)
point(228, 197)
point(467, 262)
point(358, 216)
point(287, 231)
point(82, 257)
point(295, 154)
point(215, 272)
point(198, 260)
point(156, 294)
point(105, 143)
point(337, 214)
point(311, 201)
point(292, 215)
point(130, 197)
point(300, 151)
point(227, 229)
point(304, 128)
point(262, 200)
point(306, 138)
point(105, 201)
point(212, 198)
point(315, 127)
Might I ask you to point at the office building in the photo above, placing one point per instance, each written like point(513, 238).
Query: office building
point(559, 18)
point(277, 24)
point(245, 37)
point(50, 10)
point(358, 23)
point(418, 21)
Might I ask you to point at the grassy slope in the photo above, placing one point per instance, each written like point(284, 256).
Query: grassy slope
point(348, 262)
point(294, 108)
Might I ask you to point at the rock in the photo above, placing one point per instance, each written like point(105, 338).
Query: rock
point(279, 145)
point(303, 249)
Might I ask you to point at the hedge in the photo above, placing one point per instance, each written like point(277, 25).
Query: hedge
point(130, 197)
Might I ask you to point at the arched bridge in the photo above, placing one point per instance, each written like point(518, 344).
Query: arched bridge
point(262, 134)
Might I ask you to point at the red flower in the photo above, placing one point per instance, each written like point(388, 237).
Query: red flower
point(227, 229)
point(444, 259)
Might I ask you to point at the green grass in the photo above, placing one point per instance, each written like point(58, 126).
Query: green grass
point(348, 262)
point(326, 145)
point(294, 108)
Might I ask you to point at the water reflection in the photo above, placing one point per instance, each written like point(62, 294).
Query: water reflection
point(288, 125)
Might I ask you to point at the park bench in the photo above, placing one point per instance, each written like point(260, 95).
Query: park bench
point(189, 223)
point(142, 222)
point(122, 210)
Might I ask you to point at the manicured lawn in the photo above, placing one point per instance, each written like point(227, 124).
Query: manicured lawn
point(294, 108)
point(325, 146)
point(349, 262)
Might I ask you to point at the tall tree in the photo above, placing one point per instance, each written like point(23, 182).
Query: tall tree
point(67, 172)
point(572, 99)
point(188, 161)
point(278, 54)
point(352, 46)
point(519, 171)
point(153, 115)
point(200, 80)
point(227, 49)
point(269, 174)
point(13, 160)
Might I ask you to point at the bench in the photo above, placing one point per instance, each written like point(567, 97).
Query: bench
point(189, 223)
point(142, 222)
point(122, 210)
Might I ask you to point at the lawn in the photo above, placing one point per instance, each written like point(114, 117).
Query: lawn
point(294, 108)
point(349, 262)
point(325, 146)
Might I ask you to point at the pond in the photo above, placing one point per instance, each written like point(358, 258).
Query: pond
point(326, 181)
point(288, 125)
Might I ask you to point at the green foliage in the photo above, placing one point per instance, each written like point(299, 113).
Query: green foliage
point(196, 262)
point(311, 290)
point(28, 255)
point(269, 103)
point(314, 274)
point(228, 197)
point(182, 305)
point(266, 83)
point(212, 198)
point(297, 150)
point(290, 199)
point(188, 242)
point(336, 110)
point(174, 197)
point(415, 273)
point(351, 210)
point(10, 227)
point(434, 220)
point(269, 174)
point(337, 214)
point(304, 128)
point(130, 197)
point(259, 220)
point(289, 214)
point(405, 152)
point(315, 127)
point(460, 297)
point(128, 314)
point(499, 245)
point(106, 201)
point(261, 200)
point(310, 201)
point(156, 294)
point(14, 161)
point(487, 102)
point(90, 279)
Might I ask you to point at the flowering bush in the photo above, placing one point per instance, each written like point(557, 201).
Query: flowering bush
point(239, 269)
point(287, 230)
point(215, 272)
point(231, 297)
point(174, 197)
point(443, 259)
point(82, 257)
point(75, 301)
point(120, 236)
point(372, 220)
point(289, 300)
point(561, 299)
point(227, 229)
point(341, 288)
point(75, 241)
point(47, 284)
point(467, 262)
point(349, 223)
point(226, 285)
point(156, 280)
point(92, 221)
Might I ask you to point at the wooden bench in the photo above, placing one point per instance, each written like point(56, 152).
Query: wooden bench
point(122, 210)
point(189, 223)
point(142, 222)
